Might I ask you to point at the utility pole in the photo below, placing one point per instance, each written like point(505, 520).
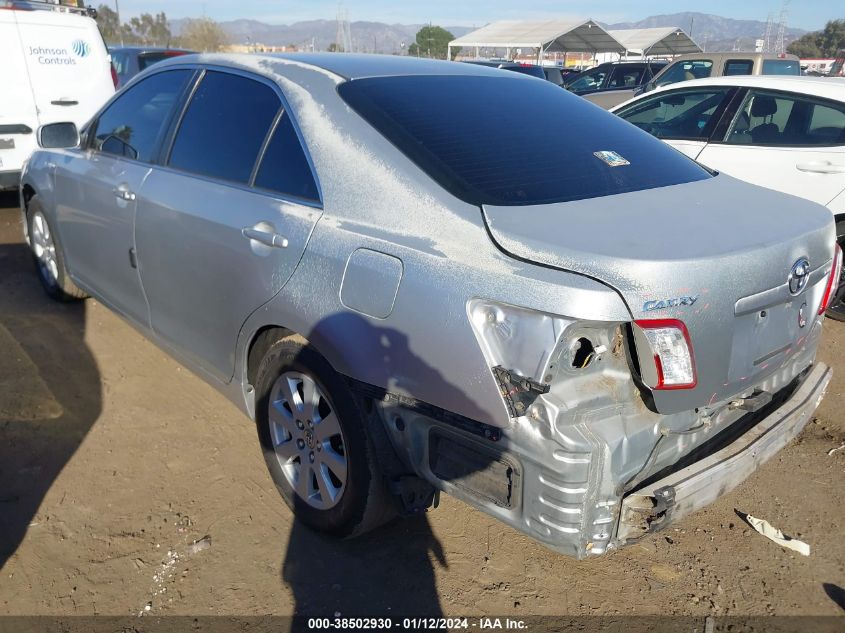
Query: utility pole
point(119, 23)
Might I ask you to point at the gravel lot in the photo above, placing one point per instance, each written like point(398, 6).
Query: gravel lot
point(114, 459)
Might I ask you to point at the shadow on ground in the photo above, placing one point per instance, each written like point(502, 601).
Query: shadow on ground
point(49, 389)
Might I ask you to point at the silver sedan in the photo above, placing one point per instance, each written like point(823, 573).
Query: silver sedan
point(421, 276)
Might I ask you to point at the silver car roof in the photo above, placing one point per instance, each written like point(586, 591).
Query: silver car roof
point(348, 65)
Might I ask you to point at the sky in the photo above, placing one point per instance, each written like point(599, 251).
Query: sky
point(805, 14)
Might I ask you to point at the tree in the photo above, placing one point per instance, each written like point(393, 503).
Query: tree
point(149, 29)
point(109, 23)
point(432, 41)
point(824, 43)
point(203, 34)
point(334, 48)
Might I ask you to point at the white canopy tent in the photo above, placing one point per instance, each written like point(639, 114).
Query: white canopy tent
point(553, 36)
point(658, 41)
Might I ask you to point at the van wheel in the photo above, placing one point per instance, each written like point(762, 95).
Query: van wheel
point(836, 310)
point(312, 434)
point(48, 256)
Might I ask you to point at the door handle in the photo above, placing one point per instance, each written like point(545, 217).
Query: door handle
point(268, 238)
point(65, 102)
point(123, 193)
point(822, 167)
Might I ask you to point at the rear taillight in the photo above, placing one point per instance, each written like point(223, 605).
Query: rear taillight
point(114, 78)
point(671, 349)
point(832, 280)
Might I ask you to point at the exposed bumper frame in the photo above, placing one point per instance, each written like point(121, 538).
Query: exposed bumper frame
point(656, 505)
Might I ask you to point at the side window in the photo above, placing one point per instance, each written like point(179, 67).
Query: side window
point(679, 114)
point(626, 76)
point(769, 119)
point(827, 125)
point(284, 168)
point(738, 67)
point(224, 127)
point(120, 60)
point(685, 71)
point(134, 124)
point(590, 81)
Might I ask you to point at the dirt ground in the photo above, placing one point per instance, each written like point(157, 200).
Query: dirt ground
point(114, 460)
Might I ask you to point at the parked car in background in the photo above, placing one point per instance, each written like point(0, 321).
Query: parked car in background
point(613, 82)
point(531, 70)
point(564, 322)
point(784, 133)
point(128, 61)
point(704, 65)
point(837, 69)
point(54, 66)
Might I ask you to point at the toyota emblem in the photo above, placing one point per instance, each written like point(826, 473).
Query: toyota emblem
point(799, 276)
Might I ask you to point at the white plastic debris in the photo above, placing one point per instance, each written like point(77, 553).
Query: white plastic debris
point(197, 546)
point(833, 450)
point(773, 534)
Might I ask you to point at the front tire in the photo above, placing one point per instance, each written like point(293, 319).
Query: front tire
point(48, 256)
point(836, 311)
point(313, 436)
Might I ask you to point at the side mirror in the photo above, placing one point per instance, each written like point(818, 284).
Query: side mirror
point(58, 136)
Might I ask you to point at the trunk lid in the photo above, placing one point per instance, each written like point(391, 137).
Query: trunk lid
point(729, 245)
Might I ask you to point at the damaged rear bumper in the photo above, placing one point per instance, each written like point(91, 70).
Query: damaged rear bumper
point(654, 506)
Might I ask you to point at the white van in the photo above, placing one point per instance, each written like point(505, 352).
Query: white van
point(54, 66)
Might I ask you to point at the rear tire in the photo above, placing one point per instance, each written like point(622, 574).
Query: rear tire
point(48, 256)
point(836, 311)
point(312, 434)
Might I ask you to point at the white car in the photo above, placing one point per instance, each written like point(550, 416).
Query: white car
point(55, 67)
point(784, 133)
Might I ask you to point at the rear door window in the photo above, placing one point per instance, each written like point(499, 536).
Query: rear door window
point(679, 114)
point(685, 71)
point(284, 167)
point(781, 67)
point(773, 119)
point(133, 125)
point(738, 67)
point(224, 127)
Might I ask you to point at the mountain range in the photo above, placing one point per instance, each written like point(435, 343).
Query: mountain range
point(713, 32)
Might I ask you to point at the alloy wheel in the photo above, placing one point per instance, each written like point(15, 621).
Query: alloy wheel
point(44, 248)
point(308, 440)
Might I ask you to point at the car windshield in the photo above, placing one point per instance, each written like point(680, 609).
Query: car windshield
point(685, 71)
point(556, 147)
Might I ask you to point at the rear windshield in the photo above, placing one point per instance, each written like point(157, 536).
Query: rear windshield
point(533, 71)
point(145, 60)
point(781, 67)
point(511, 141)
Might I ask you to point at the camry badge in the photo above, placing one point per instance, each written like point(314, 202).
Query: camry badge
point(648, 306)
point(802, 319)
point(798, 276)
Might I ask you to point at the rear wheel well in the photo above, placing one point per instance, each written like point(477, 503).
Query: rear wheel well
point(261, 342)
point(28, 193)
